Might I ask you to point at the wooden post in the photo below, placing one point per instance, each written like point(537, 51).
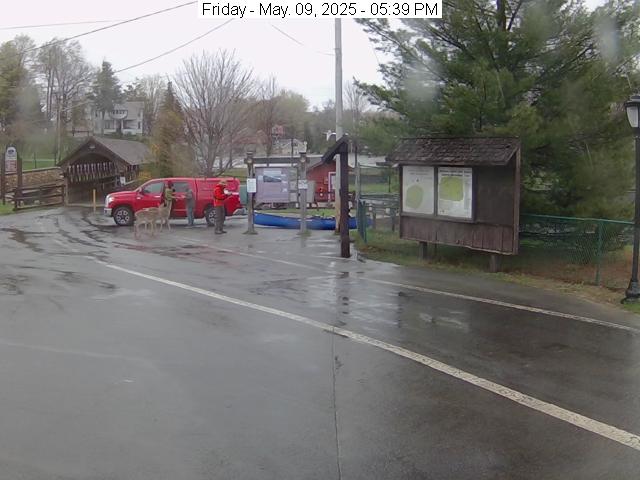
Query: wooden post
point(302, 176)
point(94, 200)
point(494, 263)
point(3, 179)
point(19, 176)
point(423, 250)
point(345, 245)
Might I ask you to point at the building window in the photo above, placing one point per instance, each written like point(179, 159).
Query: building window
point(139, 125)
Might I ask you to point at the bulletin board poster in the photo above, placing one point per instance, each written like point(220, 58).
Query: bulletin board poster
point(418, 186)
point(11, 160)
point(455, 192)
point(272, 185)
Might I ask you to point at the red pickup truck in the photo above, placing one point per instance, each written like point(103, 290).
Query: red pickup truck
point(122, 205)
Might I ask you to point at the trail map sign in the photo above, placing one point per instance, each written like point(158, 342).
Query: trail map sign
point(11, 160)
point(418, 187)
point(460, 191)
point(272, 185)
point(455, 192)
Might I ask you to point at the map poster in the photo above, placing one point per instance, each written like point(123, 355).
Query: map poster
point(418, 187)
point(272, 185)
point(455, 192)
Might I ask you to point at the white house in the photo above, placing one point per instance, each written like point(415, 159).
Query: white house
point(127, 118)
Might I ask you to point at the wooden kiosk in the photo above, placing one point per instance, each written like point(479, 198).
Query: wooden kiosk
point(460, 191)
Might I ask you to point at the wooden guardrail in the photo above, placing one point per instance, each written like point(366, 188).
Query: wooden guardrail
point(40, 196)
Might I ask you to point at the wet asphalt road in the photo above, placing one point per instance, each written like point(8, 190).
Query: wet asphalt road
point(107, 374)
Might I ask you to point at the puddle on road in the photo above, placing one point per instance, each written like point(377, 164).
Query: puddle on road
point(12, 284)
point(21, 237)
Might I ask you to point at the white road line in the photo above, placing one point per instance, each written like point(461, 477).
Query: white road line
point(443, 293)
point(610, 432)
point(514, 306)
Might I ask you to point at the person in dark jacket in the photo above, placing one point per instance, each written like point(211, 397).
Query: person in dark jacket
point(219, 197)
point(190, 200)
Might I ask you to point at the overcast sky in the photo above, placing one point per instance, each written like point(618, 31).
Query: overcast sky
point(308, 69)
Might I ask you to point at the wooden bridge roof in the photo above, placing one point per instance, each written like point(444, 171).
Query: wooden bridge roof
point(122, 151)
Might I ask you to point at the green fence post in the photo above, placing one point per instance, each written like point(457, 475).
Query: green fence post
point(365, 221)
point(599, 254)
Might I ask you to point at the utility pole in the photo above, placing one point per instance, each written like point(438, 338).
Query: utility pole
point(339, 131)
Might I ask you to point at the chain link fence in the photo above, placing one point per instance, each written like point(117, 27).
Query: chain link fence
point(578, 250)
point(591, 250)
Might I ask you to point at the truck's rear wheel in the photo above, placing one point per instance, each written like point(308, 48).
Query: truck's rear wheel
point(123, 216)
point(210, 216)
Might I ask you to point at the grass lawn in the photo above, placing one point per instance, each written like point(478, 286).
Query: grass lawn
point(6, 209)
point(323, 212)
point(374, 188)
point(30, 164)
point(239, 173)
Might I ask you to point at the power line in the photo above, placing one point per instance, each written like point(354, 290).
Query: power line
point(130, 20)
point(293, 39)
point(62, 24)
point(175, 48)
point(130, 67)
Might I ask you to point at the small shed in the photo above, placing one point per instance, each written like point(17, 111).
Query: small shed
point(321, 173)
point(460, 191)
point(104, 164)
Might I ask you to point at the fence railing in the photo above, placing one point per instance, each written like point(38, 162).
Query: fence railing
point(377, 211)
point(585, 250)
point(585, 242)
point(40, 196)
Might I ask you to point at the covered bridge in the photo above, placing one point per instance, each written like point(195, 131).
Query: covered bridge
point(105, 164)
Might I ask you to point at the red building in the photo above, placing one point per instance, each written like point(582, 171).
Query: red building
point(324, 176)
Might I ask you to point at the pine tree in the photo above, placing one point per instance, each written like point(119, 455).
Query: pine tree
point(20, 108)
point(548, 71)
point(168, 136)
point(106, 92)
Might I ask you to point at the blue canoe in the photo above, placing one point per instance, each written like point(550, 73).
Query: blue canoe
point(313, 223)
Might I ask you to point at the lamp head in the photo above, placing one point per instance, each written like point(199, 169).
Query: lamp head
point(632, 106)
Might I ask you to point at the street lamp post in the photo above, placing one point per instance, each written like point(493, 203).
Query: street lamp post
point(633, 114)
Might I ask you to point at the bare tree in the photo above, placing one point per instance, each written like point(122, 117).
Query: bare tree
point(68, 77)
point(154, 88)
point(357, 105)
point(239, 130)
point(211, 88)
point(151, 90)
point(268, 110)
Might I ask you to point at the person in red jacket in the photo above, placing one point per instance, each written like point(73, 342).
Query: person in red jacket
point(219, 197)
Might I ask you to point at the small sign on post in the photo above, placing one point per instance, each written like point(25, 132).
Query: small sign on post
point(252, 185)
point(11, 160)
point(303, 185)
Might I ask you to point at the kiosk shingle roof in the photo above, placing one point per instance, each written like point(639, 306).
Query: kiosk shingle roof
point(455, 151)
